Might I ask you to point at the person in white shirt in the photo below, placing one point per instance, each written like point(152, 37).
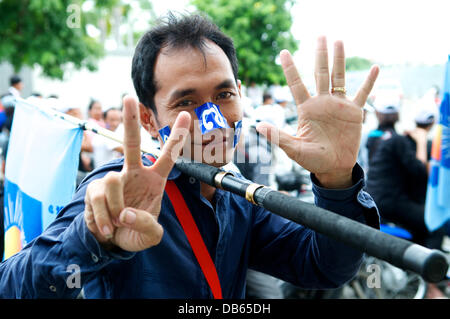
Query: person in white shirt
point(16, 86)
point(105, 149)
point(270, 112)
point(255, 93)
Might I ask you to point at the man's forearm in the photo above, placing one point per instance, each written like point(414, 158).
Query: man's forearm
point(338, 180)
point(335, 258)
point(54, 265)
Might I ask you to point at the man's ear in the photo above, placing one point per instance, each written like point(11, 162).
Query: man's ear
point(148, 120)
point(239, 87)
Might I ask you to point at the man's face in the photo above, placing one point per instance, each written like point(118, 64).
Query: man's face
point(113, 119)
point(186, 79)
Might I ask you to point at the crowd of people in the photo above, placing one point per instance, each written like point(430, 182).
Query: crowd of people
point(396, 177)
point(396, 166)
point(96, 150)
point(398, 169)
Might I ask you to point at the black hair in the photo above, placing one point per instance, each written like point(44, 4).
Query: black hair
point(186, 31)
point(13, 80)
point(105, 114)
point(387, 120)
point(424, 126)
point(266, 96)
point(91, 104)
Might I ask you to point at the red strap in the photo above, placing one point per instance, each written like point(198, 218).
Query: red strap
point(193, 235)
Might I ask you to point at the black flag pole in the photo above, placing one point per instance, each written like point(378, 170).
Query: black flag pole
point(432, 265)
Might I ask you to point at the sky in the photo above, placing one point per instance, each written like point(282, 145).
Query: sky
point(383, 31)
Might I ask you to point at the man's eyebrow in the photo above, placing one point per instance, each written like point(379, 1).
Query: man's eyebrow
point(228, 83)
point(180, 93)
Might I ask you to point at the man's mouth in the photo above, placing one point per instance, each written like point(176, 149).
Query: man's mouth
point(214, 141)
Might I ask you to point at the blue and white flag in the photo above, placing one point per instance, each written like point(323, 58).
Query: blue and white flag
point(437, 206)
point(40, 173)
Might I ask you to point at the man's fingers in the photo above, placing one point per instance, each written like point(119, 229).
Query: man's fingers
point(132, 134)
point(89, 217)
point(321, 72)
point(114, 196)
point(143, 222)
point(172, 148)
point(278, 137)
point(95, 197)
point(364, 91)
point(338, 73)
point(298, 89)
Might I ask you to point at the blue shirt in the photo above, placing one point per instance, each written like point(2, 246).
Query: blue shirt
point(238, 235)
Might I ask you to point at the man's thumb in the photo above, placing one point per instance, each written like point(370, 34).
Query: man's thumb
point(276, 136)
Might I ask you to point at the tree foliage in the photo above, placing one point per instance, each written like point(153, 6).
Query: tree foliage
point(37, 32)
point(357, 64)
point(259, 29)
point(53, 33)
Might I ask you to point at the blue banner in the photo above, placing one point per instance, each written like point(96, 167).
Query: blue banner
point(437, 206)
point(40, 173)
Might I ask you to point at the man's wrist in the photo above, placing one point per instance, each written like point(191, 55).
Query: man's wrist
point(336, 180)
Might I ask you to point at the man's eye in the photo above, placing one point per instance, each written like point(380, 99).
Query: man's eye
point(185, 103)
point(224, 95)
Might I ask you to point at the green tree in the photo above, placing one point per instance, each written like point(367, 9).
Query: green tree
point(53, 33)
point(259, 29)
point(357, 64)
point(48, 33)
point(109, 16)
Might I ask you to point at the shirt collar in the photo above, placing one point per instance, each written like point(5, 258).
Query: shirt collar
point(174, 173)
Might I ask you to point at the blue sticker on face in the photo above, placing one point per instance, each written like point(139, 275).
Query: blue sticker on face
point(237, 132)
point(210, 117)
point(164, 133)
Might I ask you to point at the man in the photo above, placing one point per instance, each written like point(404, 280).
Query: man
point(270, 112)
point(121, 229)
point(8, 101)
point(104, 149)
point(398, 178)
point(16, 86)
point(387, 113)
point(255, 93)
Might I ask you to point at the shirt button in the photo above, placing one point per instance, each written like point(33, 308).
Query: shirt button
point(192, 180)
point(94, 258)
point(52, 288)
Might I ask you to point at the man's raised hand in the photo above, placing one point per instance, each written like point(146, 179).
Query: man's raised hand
point(122, 208)
point(329, 124)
